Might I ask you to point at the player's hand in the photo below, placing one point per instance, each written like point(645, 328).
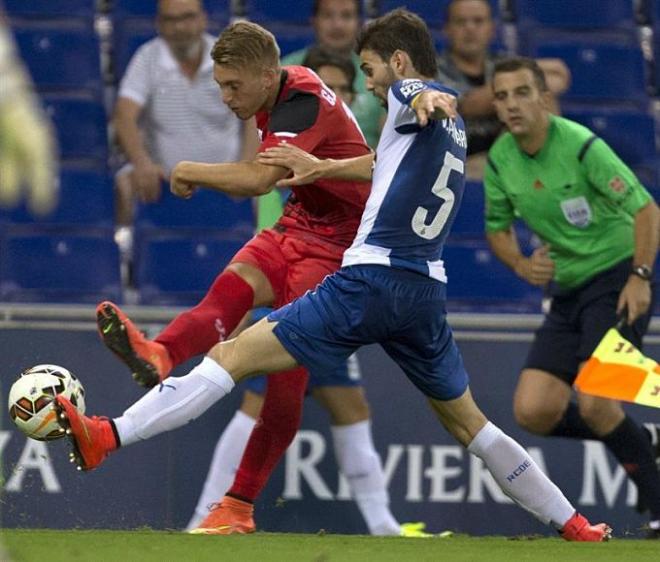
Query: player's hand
point(147, 177)
point(179, 185)
point(432, 104)
point(27, 156)
point(305, 167)
point(538, 269)
point(635, 298)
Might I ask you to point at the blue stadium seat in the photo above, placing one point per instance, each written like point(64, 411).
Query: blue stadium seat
point(478, 280)
point(279, 12)
point(86, 199)
point(174, 268)
point(128, 36)
point(59, 267)
point(601, 71)
point(629, 132)
point(50, 8)
point(147, 9)
point(81, 125)
point(572, 14)
point(469, 222)
point(60, 55)
point(205, 210)
point(292, 38)
point(432, 11)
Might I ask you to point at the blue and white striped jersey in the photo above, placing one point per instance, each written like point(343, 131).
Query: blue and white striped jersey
point(416, 190)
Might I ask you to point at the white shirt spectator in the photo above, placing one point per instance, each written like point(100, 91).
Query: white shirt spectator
point(182, 119)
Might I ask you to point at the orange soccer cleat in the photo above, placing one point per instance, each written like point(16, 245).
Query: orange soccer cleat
point(92, 438)
point(578, 528)
point(229, 517)
point(148, 361)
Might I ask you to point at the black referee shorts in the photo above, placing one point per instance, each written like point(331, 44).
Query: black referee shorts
point(579, 319)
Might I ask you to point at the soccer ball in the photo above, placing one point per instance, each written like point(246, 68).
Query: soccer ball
point(31, 395)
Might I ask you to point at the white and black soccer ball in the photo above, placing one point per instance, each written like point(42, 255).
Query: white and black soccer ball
point(30, 399)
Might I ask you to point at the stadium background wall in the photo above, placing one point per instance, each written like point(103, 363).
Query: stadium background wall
point(156, 484)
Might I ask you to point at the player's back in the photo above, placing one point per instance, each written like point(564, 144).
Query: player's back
point(416, 191)
point(309, 115)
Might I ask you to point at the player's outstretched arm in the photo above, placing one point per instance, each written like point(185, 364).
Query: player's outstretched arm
point(306, 168)
point(240, 179)
point(433, 104)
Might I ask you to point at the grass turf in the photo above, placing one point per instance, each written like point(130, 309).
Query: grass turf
point(27, 545)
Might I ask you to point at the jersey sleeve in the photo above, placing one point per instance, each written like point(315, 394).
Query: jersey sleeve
point(612, 178)
point(400, 97)
point(299, 121)
point(136, 83)
point(499, 210)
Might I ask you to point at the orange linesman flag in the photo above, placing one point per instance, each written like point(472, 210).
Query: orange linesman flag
point(618, 370)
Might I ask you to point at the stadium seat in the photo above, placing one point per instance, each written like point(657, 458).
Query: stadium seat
point(86, 199)
point(601, 71)
point(81, 125)
point(60, 55)
point(128, 35)
point(292, 38)
point(206, 209)
point(147, 9)
point(478, 281)
point(50, 8)
point(177, 268)
point(59, 267)
point(629, 132)
point(569, 14)
point(432, 11)
point(262, 11)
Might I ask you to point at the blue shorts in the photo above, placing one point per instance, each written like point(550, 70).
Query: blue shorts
point(401, 310)
point(346, 374)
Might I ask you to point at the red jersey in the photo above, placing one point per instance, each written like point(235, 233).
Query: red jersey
point(309, 115)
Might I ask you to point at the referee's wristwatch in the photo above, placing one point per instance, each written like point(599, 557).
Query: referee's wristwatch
point(643, 271)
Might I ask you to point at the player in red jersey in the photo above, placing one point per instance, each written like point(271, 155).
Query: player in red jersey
point(318, 224)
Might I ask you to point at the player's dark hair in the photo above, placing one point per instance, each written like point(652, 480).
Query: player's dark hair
point(316, 7)
point(318, 57)
point(513, 64)
point(400, 30)
point(451, 4)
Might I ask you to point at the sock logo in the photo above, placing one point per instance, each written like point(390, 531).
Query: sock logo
point(518, 471)
point(163, 386)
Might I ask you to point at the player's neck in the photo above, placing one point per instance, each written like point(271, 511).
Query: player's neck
point(274, 92)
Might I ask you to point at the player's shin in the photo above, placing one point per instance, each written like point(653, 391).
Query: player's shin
point(360, 464)
point(175, 402)
point(520, 477)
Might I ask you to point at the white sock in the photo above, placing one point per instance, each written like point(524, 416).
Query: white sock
point(520, 477)
point(175, 402)
point(226, 458)
point(360, 464)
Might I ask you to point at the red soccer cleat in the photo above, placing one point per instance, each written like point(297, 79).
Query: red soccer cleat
point(577, 528)
point(92, 438)
point(149, 361)
point(230, 517)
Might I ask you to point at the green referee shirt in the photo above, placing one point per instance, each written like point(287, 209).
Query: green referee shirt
point(575, 194)
point(366, 107)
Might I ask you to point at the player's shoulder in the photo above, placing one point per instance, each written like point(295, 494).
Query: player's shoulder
point(299, 104)
point(406, 89)
point(571, 129)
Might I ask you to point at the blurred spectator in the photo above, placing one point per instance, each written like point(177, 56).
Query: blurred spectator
point(336, 24)
point(27, 148)
point(168, 108)
point(467, 66)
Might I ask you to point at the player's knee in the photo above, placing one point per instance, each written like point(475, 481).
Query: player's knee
point(599, 414)
point(535, 419)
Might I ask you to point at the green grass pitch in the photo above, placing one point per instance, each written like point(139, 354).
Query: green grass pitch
point(28, 545)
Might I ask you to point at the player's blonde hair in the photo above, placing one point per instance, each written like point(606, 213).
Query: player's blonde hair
point(246, 44)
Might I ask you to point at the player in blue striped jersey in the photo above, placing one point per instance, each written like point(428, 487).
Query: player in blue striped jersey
point(391, 288)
